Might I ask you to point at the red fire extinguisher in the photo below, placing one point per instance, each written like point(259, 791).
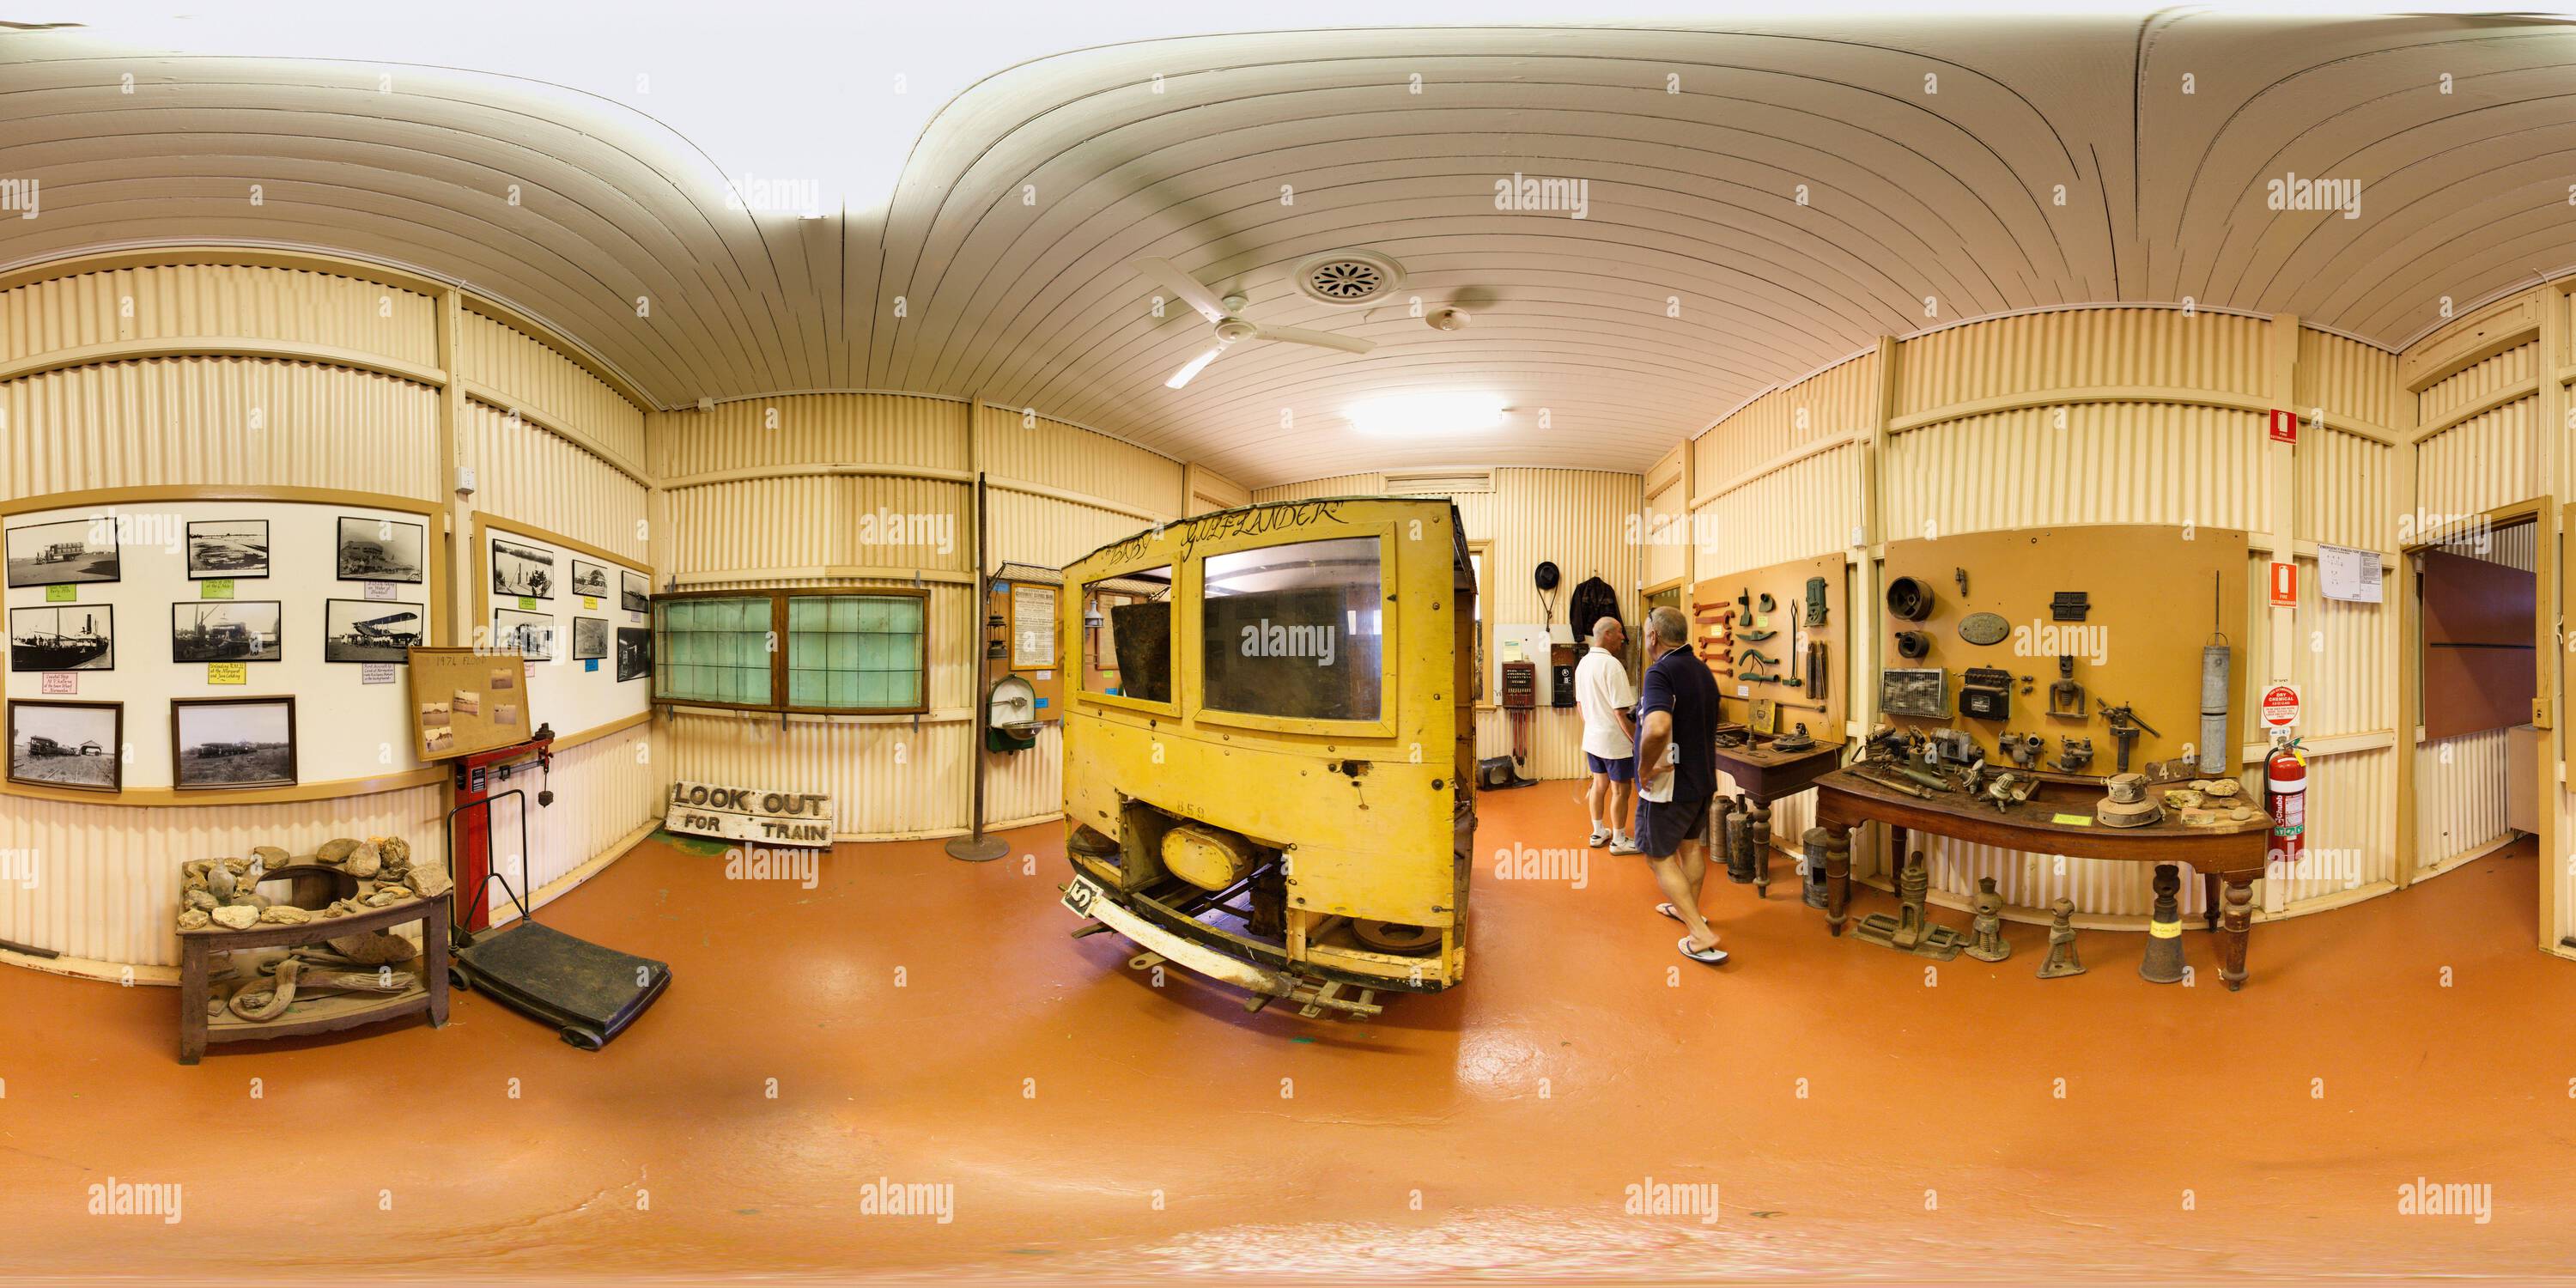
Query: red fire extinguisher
point(2285, 798)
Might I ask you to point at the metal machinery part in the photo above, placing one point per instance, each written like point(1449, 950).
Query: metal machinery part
point(2214, 659)
point(2125, 726)
point(2078, 753)
point(2163, 962)
point(1909, 599)
point(1910, 930)
point(1988, 924)
point(2023, 749)
point(1799, 741)
point(1396, 936)
point(2066, 697)
point(1815, 601)
point(2126, 803)
point(1915, 691)
point(1207, 857)
point(2069, 606)
point(1984, 628)
point(1913, 645)
point(1812, 867)
point(2009, 789)
point(1985, 693)
point(2062, 960)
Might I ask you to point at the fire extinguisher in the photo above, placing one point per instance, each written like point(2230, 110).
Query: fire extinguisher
point(2285, 798)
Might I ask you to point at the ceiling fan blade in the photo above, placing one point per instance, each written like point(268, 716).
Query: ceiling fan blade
point(1321, 339)
point(1185, 288)
point(1196, 365)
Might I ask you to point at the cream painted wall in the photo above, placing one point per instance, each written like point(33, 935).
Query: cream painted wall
point(339, 380)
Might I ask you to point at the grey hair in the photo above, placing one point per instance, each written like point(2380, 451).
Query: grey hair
point(1601, 629)
point(1667, 626)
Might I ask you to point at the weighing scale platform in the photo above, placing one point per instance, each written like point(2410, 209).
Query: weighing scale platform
point(589, 993)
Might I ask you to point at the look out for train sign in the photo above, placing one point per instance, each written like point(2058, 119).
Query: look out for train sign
point(750, 814)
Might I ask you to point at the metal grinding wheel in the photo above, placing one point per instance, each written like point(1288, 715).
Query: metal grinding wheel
point(1396, 936)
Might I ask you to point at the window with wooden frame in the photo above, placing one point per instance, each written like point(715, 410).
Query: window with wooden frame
point(855, 650)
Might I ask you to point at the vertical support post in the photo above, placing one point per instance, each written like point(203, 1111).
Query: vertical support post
point(2399, 593)
point(2280, 503)
point(2549, 465)
point(459, 536)
point(975, 847)
point(1864, 606)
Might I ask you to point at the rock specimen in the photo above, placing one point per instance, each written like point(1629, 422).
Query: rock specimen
point(336, 851)
point(199, 899)
point(194, 919)
point(363, 860)
point(285, 914)
point(236, 917)
point(270, 857)
point(430, 881)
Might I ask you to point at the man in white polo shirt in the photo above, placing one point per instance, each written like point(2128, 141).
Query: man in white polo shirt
point(1603, 694)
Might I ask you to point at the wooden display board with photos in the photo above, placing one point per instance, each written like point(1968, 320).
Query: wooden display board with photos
point(1783, 651)
point(465, 700)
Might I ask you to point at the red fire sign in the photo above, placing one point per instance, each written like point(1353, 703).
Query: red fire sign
point(2281, 707)
point(2285, 426)
point(2285, 585)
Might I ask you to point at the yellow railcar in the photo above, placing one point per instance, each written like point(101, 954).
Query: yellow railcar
point(1269, 746)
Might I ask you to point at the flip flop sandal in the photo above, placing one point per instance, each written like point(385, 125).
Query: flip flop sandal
point(1670, 911)
point(1714, 956)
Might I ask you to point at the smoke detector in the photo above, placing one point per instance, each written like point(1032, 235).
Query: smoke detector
point(1451, 318)
point(1346, 278)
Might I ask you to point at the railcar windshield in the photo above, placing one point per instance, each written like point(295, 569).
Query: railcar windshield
point(1294, 630)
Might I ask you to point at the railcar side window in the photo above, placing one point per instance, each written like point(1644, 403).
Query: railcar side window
point(1127, 635)
point(1294, 630)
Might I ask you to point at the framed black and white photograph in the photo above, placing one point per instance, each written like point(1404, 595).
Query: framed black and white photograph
point(75, 745)
point(232, 742)
point(62, 637)
point(371, 630)
point(531, 635)
point(62, 554)
point(227, 630)
point(521, 570)
point(634, 653)
point(635, 594)
point(589, 637)
point(589, 580)
point(227, 548)
point(381, 550)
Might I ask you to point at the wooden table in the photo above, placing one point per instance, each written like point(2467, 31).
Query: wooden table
point(1764, 774)
point(322, 1015)
point(2228, 858)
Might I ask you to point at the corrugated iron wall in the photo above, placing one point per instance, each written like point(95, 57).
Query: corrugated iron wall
point(613, 787)
point(2092, 416)
point(220, 302)
point(110, 873)
point(220, 421)
point(1055, 491)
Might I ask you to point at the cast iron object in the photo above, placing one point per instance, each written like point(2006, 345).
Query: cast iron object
point(2062, 960)
point(1984, 628)
point(1912, 644)
point(1910, 931)
point(1753, 655)
point(1815, 601)
point(2163, 962)
point(1909, 599)
point(1989, 944)
point(2069, 606)
point(1755, 635)
point(1985, 704)
point(1812, 866)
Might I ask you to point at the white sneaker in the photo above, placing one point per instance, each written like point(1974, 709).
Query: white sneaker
point(1600, 836)
point(1624, 845)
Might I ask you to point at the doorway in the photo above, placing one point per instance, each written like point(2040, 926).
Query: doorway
point(2479, 752)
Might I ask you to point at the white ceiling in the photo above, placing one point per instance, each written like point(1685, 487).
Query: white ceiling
point(1691, 197)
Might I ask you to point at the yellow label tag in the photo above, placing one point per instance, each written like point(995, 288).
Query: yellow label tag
point(221, 588)
point(62, 594)
point(590, 602)
point(2165, 929)
point(227, 673)
point(527, 604)
point(2072, 820)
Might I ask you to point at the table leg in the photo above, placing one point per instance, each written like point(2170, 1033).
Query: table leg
point(1837, 877)
point(433, 960)
point(1759, 834)
point(194, 990)
point(2209, 900)
point(2239, 916)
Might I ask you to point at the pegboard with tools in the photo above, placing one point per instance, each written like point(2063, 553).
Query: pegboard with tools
point(1777, 634)
point(2078, 651)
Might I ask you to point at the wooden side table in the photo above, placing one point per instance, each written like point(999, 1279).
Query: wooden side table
point(322, 1014)
point(1765, 775)
point(2057, 819)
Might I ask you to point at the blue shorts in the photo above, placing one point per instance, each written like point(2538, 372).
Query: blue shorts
point(1622, 770)
point(1662, 826)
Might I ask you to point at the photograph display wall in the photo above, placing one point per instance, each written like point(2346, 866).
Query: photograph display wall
point(289, 627)
point(568, 638)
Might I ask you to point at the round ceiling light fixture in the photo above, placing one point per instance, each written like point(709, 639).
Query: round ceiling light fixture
point(1347, 278)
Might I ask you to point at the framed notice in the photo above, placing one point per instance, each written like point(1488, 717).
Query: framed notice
point(1033, 626)
point(465, 700)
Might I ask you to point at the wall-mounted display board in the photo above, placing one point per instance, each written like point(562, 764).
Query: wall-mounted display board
point(465, 700)
point(1789, 645)
point(1023, 643)
point(565, 608)
point(155, 597)
point(2132, 605)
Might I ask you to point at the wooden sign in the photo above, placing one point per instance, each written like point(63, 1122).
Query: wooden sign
point(750, 814)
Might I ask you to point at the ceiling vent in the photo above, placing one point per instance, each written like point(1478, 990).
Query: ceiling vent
point(1439, 482)
point(1346, 278)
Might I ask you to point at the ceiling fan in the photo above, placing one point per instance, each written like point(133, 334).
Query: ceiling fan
point(1230, 328)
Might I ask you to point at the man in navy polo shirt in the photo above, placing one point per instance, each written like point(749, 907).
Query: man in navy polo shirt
point(1677, 775)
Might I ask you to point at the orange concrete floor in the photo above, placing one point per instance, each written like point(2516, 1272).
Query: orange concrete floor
point(913, 1019)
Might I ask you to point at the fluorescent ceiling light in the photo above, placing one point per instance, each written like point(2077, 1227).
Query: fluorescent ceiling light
point(1425, 414)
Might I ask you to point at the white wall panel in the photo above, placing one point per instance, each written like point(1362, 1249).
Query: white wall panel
point(2109, 463)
